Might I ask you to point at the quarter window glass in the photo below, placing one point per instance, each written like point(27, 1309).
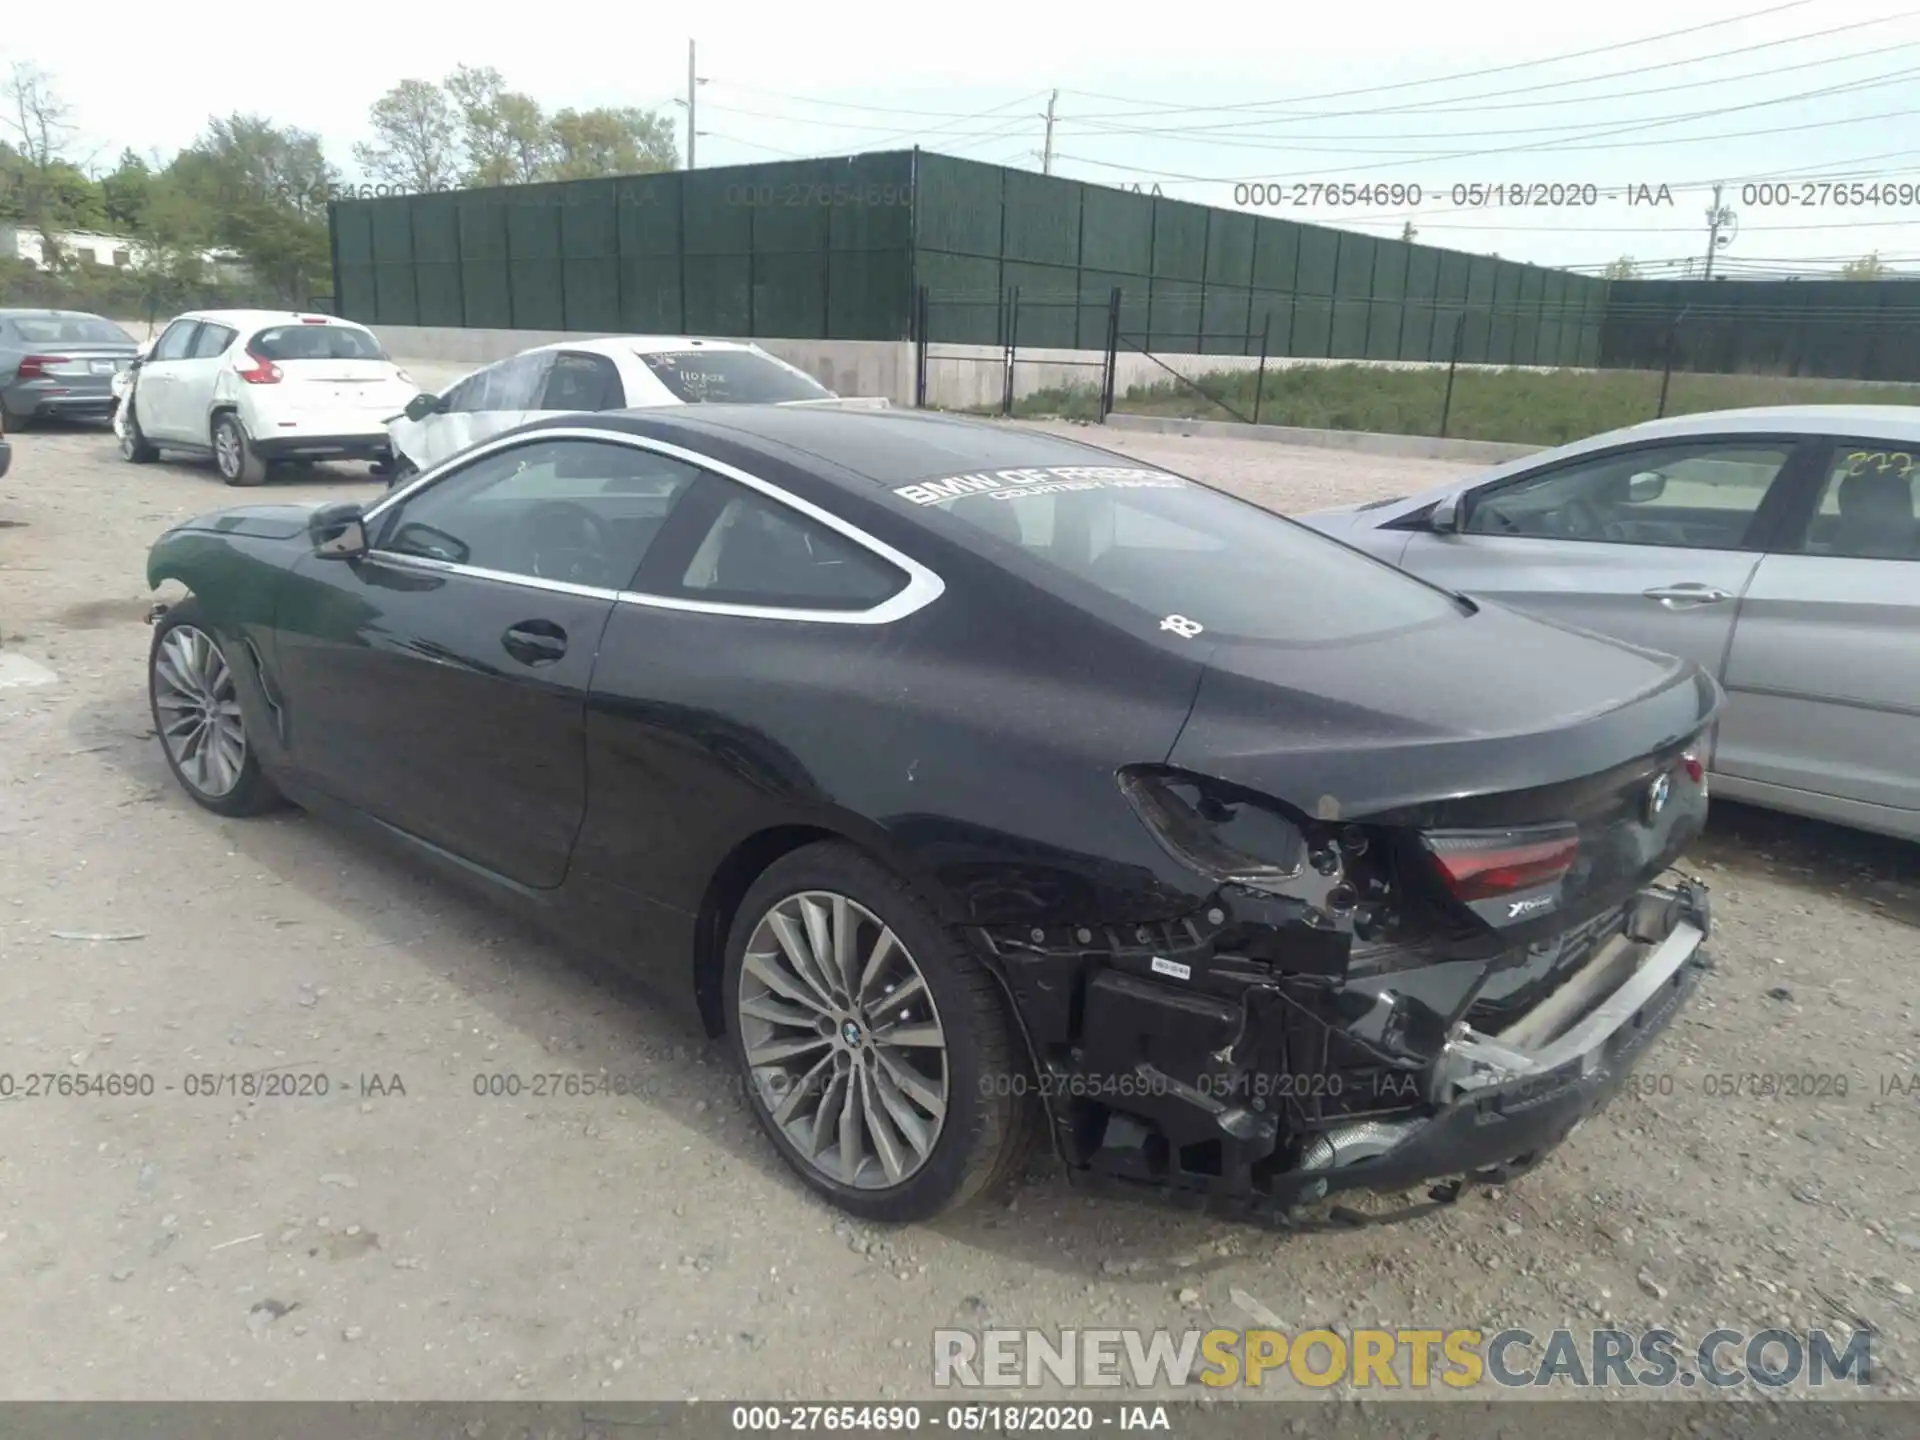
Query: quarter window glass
point(176, 341)
point(213, 340)
point(760, 552)
point(582, 382)
point(1699, 496)
point(579, 511)
point(1869, 506)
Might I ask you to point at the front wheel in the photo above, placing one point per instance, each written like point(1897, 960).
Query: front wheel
point(877, 1050)
point(234, 453)
point(196, 711)
point(134, 445)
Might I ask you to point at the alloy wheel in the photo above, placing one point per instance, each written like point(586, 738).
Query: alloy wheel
point(199, 711)
point(843, 1040)
point(226, 448)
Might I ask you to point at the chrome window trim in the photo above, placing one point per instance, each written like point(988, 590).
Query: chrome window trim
point(923, 586)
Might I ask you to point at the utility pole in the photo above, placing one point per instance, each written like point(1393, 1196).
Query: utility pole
point(1717, 216)
point(1046, 151)
point(693, 90)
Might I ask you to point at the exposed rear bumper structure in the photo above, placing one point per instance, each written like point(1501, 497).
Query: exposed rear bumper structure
point(1296, 1093)
point(324, 447)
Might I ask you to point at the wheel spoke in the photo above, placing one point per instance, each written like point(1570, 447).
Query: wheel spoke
point(880, 1129)
point(801, 958)
point(773, 1012)
point(830, 1103)
point(846, 968)
point(766, 969)
point(883, 951)
point(852, 1152)
point(819, 923)
point(796, 1095)
point(774, 1051)
point(913, 1085)
point(896, 999)
point(913, 1037)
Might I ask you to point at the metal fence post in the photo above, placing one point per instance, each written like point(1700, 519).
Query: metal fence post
point(1113, 353)
point(1453, 363)
point(1260, 379)
point(1013, 343)
point(1666, 372)
point(920, 348)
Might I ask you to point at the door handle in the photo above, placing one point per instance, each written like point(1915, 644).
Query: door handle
point(535, 642)
point(1688, 593)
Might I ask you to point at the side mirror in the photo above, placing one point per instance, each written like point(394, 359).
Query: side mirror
point(338, 531)
point(1447, 517)
point(422, 405)
point(1647, 485)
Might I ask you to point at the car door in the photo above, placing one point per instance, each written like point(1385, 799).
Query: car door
point(1824, 675)
point(439, 682)
point(441, 434)
point(194, 378)
point(156, 390)
point(1654, 543)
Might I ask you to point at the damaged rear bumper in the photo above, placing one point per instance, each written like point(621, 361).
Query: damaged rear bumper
point(1224, 1106)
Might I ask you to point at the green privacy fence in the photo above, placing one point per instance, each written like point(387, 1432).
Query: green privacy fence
point(804, 250)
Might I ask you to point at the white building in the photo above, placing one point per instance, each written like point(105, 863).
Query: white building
point(23, 242)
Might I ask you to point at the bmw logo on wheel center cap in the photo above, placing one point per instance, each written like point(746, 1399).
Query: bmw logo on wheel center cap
point(850, 1032)
point(1657, 794)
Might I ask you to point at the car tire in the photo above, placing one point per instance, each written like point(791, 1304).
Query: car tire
point(233, 452)
point(189, 681)
point(12, 422)
point(135, 448)
point(983, 1127)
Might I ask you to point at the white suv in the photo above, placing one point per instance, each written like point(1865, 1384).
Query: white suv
point(254, 388)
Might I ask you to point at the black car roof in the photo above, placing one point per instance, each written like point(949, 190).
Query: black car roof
point(888, 447)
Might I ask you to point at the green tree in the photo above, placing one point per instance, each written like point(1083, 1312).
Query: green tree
point(611, 141)
point(414, 133)
point(1868, 267)
point(257, 189)
point(125, 194)
point(1622, 269)
point(504, 134)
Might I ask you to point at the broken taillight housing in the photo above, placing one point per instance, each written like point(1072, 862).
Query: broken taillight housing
point(1486, 864)
point(1216, 829)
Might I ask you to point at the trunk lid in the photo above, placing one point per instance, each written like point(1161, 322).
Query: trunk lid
point(1522, 732)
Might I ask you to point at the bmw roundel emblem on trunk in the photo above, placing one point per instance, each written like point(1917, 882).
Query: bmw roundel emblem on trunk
point(1657, 794)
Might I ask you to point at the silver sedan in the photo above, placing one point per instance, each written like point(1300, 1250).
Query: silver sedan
point(1780, 548)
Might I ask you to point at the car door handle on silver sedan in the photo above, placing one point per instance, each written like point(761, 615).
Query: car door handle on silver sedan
point(1686, 595)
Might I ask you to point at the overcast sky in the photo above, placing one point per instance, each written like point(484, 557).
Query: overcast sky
point(1195, 99)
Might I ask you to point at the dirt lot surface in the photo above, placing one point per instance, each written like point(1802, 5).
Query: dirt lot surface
point(435, 1244)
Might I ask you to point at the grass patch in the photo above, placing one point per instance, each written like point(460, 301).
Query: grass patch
point(1526, 407)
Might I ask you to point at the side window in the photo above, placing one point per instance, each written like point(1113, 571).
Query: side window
point(1697, 495)
point(175, 341)
point(760, 552)
point(515, 384)
point(578, 511)
point(212, 341)
point(1869, 504)
point(471, 393)
point(579, 381)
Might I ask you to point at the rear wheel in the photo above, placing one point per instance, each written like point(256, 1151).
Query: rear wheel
point(134, 445)
point(196, 710)
point(233, 452)
point(877, 1051)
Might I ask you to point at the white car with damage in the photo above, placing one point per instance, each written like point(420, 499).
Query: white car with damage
point(621, 372)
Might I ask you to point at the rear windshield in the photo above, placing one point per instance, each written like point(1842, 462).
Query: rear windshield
point(316, 342)
point(1179, 552)
point(69, 330)
point(730, 377)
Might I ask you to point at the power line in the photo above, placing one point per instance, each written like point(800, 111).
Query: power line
point(1462, 75)
point(1304, 142)
point(1452, 104)
point(852, 105)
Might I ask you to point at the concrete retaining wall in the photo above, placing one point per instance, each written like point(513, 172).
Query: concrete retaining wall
point(1410, 447)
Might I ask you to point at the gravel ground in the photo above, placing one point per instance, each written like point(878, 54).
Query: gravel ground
point(434, 1244)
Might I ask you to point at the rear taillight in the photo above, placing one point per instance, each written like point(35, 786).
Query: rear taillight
point(1695, 767)
point(35, 367)
point(1485, 864)
point(313, 320)
point(261, 372)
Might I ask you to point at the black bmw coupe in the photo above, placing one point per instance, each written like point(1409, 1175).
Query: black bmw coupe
point(972, 780)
